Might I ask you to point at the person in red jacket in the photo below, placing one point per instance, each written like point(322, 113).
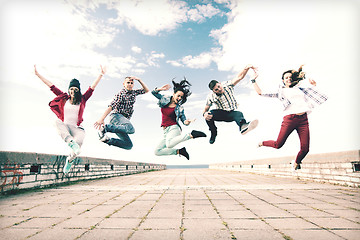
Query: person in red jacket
point(69, 108)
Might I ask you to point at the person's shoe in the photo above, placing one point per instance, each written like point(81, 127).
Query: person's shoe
point(75, 147)
point(295, 166)
point(184, 153)
point(260, 144)
point(68, 163)
point(213, 137)
point(101, 132)
point(105, 138)
point(197, 134)
point(247, 127)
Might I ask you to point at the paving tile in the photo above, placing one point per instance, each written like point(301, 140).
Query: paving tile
point(184, 204)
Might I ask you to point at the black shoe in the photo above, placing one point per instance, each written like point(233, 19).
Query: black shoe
point(184, 153)
point(213, 137)
point(197, 134)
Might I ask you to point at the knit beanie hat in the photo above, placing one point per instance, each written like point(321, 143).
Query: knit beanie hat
point(74, 83)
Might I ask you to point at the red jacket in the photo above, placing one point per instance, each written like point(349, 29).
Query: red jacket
point(58, 103)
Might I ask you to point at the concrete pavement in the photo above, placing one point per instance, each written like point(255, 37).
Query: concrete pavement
point(184, 204)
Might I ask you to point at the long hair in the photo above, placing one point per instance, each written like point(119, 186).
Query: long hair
point(183, 86)
point(296, 76)
point(77, 97)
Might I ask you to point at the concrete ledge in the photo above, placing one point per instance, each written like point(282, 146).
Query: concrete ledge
point(19, 170)
point(337, 168)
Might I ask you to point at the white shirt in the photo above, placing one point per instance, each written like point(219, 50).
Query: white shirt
point(71, 113)
point(297, 99)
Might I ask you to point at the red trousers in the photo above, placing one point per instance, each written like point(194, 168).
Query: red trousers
point(290, 123)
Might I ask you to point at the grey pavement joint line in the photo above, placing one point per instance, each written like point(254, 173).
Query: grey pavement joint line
point(222, 219)
point(321, 210)
point(117, 210)
point(262, 219)
point(63, 220)
point(147, 214)
point(294, 215)
point(182, 229)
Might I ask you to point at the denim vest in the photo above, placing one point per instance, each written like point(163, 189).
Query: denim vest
point(165, 100)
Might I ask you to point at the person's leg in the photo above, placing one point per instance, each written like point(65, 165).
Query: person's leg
point(217, 115)
point(172, 137)
point(304, 136)
point(78, 134)
point(65, 133)
point(123, 141)
point(236, 116)
point(121, 126)
point(63, 130)
point(287, 127)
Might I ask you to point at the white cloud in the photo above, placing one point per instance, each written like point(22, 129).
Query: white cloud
point(202, 60)
point(175, 63)
point(153, 58)
point(153, 17)
point(136, 49)
point(150, 17)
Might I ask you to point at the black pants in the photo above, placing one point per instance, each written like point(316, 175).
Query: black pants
point(225, 116)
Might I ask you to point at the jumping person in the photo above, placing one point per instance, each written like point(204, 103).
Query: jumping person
point(222, 96)
point(121, 109)
point(173, 111)
point(69, 108)
point(298, 97)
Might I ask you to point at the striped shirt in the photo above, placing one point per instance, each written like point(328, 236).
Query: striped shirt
point(226, 101)
point(123, 102)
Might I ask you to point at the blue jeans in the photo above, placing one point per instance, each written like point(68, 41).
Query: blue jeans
point(172, 137)
point(121, 126)
point(225, 116)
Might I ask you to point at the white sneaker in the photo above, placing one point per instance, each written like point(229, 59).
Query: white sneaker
point(247, 127)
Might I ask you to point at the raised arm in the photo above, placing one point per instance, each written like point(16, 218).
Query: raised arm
point(95, 83)
point(146, 89)
point(242, 74)
point(156, 91)
point(47, 82)
point(254, 83)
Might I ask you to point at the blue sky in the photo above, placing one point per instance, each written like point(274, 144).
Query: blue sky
point(157, 40)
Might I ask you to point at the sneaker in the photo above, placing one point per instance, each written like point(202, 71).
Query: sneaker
point(68, 163)
point(75, 147)
point(105, 138)
point(101, 132)
point(184, 153)
point(295, 166)
point(213, 137)
point(247, 127)
point(197, 134)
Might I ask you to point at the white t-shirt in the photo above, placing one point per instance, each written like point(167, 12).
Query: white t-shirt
point(297, 100)
point(71, 113)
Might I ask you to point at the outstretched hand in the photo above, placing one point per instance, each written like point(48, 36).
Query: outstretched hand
point(188, 121)
point(164, 88)
point(36, 72)
point(103, 69)
point(312, 82)
point(98, 124)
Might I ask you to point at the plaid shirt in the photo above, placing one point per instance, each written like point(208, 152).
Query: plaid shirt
point(123, 102)
point(312, 96)
point(225, 101)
